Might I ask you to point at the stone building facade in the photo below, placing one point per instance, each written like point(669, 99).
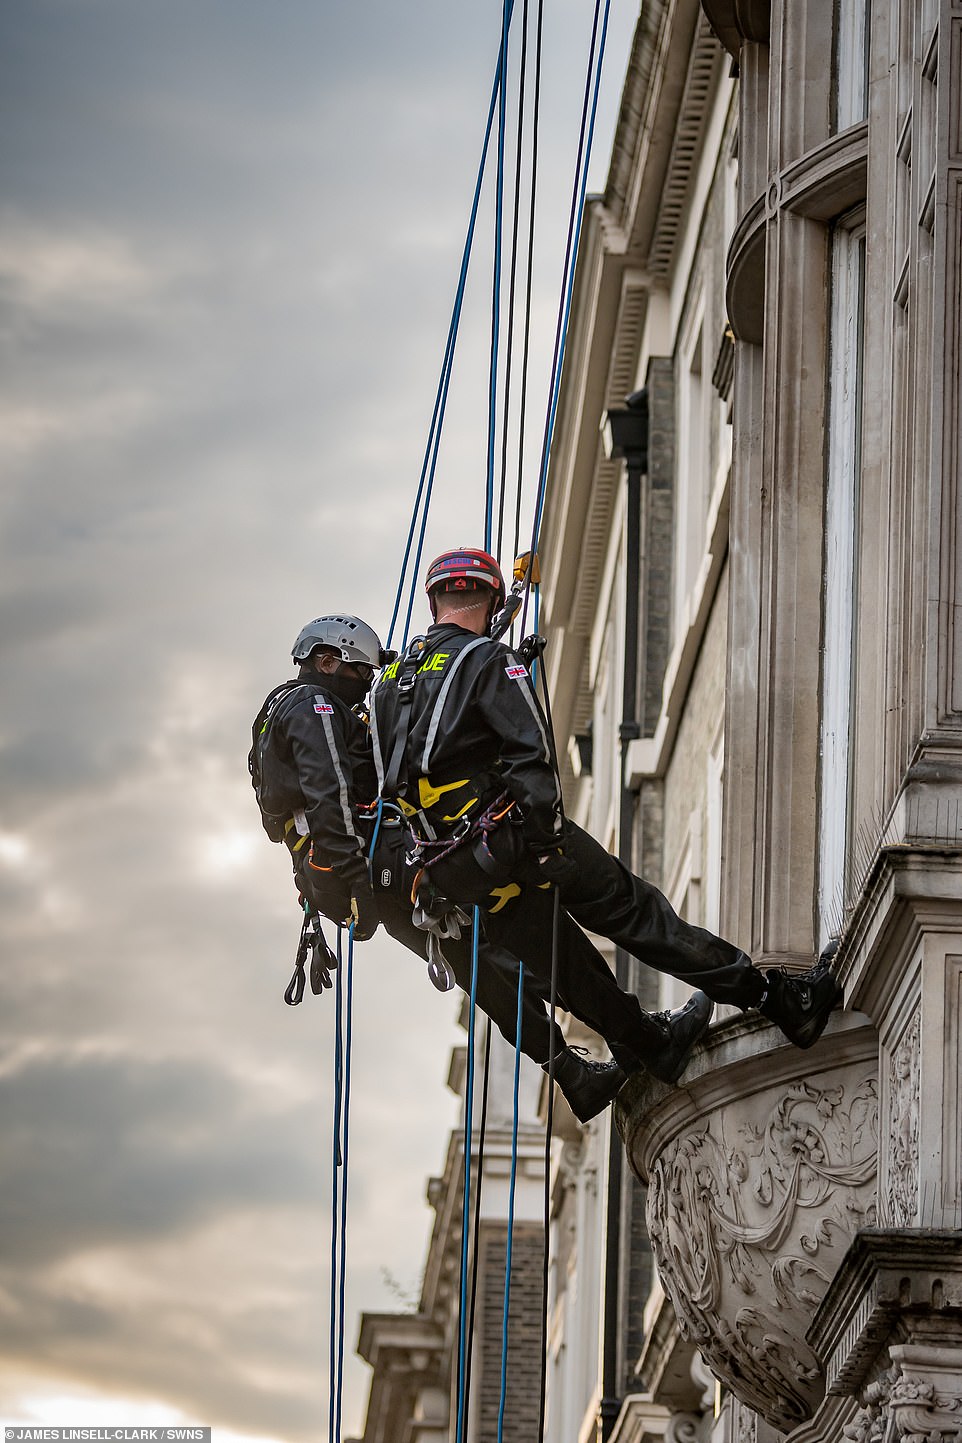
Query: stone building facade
point(755, 667)
point(777, 260)
point(413, 1355)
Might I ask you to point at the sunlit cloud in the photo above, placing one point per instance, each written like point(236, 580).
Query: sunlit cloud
point(40, 1406)
point(14, 850)
point(96, 267)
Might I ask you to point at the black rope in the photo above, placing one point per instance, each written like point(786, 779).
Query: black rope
point(512, 286)
point(477, 1222)
point(529, 280)
point(570, 259)
point(553, 1044)
point(549, 1125)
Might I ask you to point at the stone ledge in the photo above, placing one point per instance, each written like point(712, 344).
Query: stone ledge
point(886, 1273)
point(724, 1067)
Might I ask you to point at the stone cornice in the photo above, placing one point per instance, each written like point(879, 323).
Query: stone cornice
point(885, 1273)
point(413, 1337)
point(909, 891)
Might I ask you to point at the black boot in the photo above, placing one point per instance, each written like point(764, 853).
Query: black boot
point(674, 1035)
point(801, 1005)
point(588, 1086)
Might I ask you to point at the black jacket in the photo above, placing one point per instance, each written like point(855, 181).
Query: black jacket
point(474, 719)
point(315, 758)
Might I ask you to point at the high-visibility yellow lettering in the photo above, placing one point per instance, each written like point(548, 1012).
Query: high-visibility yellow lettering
point(435, 662)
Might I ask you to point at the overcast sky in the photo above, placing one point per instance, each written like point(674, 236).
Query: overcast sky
point(229, 239)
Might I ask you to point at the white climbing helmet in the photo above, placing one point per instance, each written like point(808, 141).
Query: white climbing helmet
point(349, 636)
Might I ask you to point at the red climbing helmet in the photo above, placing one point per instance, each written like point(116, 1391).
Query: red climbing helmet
point(464, 570)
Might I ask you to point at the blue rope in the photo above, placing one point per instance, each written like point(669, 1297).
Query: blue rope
point(511, 1194)
point(496, 282)
point(429, 464)
point(377, 828)
point(346, 1121)
point(335, 1210)
point(575, 221)
point(465, 1210)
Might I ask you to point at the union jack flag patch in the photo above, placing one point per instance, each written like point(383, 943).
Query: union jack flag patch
point(516, 672)
point(324, 706)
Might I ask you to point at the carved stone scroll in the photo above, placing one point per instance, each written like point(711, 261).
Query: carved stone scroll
point(750, 1211)
point(899, 1200)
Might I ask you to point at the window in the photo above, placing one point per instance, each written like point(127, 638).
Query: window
point(692, 474)
point(713, 830)
point(840, 569)
point(851, 63)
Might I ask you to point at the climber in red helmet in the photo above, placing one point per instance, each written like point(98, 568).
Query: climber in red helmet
point(462, 743)
point(314, 780)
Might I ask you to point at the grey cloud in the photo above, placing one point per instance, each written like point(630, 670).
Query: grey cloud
point(229, 239)
point(99, 1149)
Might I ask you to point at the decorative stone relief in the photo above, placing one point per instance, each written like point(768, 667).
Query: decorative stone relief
point(685, 1428)
point(871, 1422)
point(925, 1400)
point(905, 1404)
point(901, 1198)
point(750, 1212)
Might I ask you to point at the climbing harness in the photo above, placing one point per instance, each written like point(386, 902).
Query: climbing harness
point(427, 852)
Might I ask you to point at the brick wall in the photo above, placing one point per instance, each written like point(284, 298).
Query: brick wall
point(523, 1393)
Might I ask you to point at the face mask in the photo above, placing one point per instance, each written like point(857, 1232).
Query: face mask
point(344, 684)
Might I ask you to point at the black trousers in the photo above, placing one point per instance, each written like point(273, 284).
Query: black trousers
point(497, 987)
point(604, 896)
point(601, 894)
point(519, 919)
point(497, 984)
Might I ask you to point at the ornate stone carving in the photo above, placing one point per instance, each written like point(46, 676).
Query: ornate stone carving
point(685, 1428)
point(900, 1198)
point(913, 1402)
point(871, 1422)
point(750, 1212)
point(925, 1399)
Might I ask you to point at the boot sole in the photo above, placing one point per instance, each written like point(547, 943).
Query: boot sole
point(586, 1115)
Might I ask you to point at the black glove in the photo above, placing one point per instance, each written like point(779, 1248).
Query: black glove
point(550, 865)
point(326, 892)
point(364, 911)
